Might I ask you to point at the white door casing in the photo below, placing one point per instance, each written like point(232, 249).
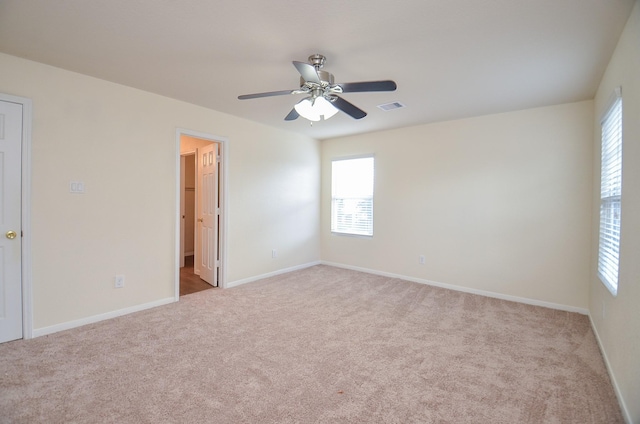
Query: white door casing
point(11, 123)
point(208, 212)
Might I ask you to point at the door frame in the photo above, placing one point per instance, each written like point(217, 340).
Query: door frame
point(224, 160)
point(27, 291)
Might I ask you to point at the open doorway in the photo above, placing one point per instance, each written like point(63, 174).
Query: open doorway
point(190, 281)
point(200, 249)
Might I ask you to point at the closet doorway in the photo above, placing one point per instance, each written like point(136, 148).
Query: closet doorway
point(190, 282)
point(201, 217)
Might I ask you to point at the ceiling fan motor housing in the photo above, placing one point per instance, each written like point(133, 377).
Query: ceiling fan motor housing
point(325, 77)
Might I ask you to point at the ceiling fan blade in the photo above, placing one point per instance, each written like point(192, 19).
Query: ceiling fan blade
point(348, 108)
point(268, 94)
point(307, 71)
point(359, 87)
point(292, 116)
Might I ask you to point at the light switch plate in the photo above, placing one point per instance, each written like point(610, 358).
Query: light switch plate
point(76, 187)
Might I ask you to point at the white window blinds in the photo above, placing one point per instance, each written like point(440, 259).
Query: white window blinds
point(610, 195)
point(352, 196)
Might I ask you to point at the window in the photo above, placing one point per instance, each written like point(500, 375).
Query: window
point(610, 194)
point(352, 196)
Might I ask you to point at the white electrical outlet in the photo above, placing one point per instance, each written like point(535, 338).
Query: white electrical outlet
point(119, 281)
point(421, 259)
point(274, 253)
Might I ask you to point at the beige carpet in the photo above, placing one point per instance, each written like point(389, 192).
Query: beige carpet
point(321, 345)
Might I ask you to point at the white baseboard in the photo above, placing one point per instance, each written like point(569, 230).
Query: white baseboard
point(113, 314)
point(101, 317)
point(623, 406)
point(269, 274)
point(495, 295)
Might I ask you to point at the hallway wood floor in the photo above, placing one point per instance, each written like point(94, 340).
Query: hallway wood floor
point(190, 282)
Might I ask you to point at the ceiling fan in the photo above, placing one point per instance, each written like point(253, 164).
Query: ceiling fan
point(323, 101)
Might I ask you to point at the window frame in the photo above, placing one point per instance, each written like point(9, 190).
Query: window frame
point(610, 214)
point(334, 227)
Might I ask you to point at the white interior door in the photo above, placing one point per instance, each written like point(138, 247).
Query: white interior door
point(208, 212)
point(10, 225)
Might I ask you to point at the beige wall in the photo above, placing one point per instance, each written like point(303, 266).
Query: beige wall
point(498, 203)
point(121, 142)
point(617, 319)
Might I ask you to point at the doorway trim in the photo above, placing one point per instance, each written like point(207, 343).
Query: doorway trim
point(224, 160)
point(27, 292)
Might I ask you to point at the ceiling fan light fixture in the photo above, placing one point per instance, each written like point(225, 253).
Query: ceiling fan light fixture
point(315, 109)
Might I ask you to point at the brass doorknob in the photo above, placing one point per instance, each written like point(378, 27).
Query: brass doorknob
point(199, 219)
point(11, 235)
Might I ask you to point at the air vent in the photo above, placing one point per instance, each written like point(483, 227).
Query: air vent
point(391, 106)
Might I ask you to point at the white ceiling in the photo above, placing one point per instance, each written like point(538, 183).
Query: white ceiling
point(450, 58)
